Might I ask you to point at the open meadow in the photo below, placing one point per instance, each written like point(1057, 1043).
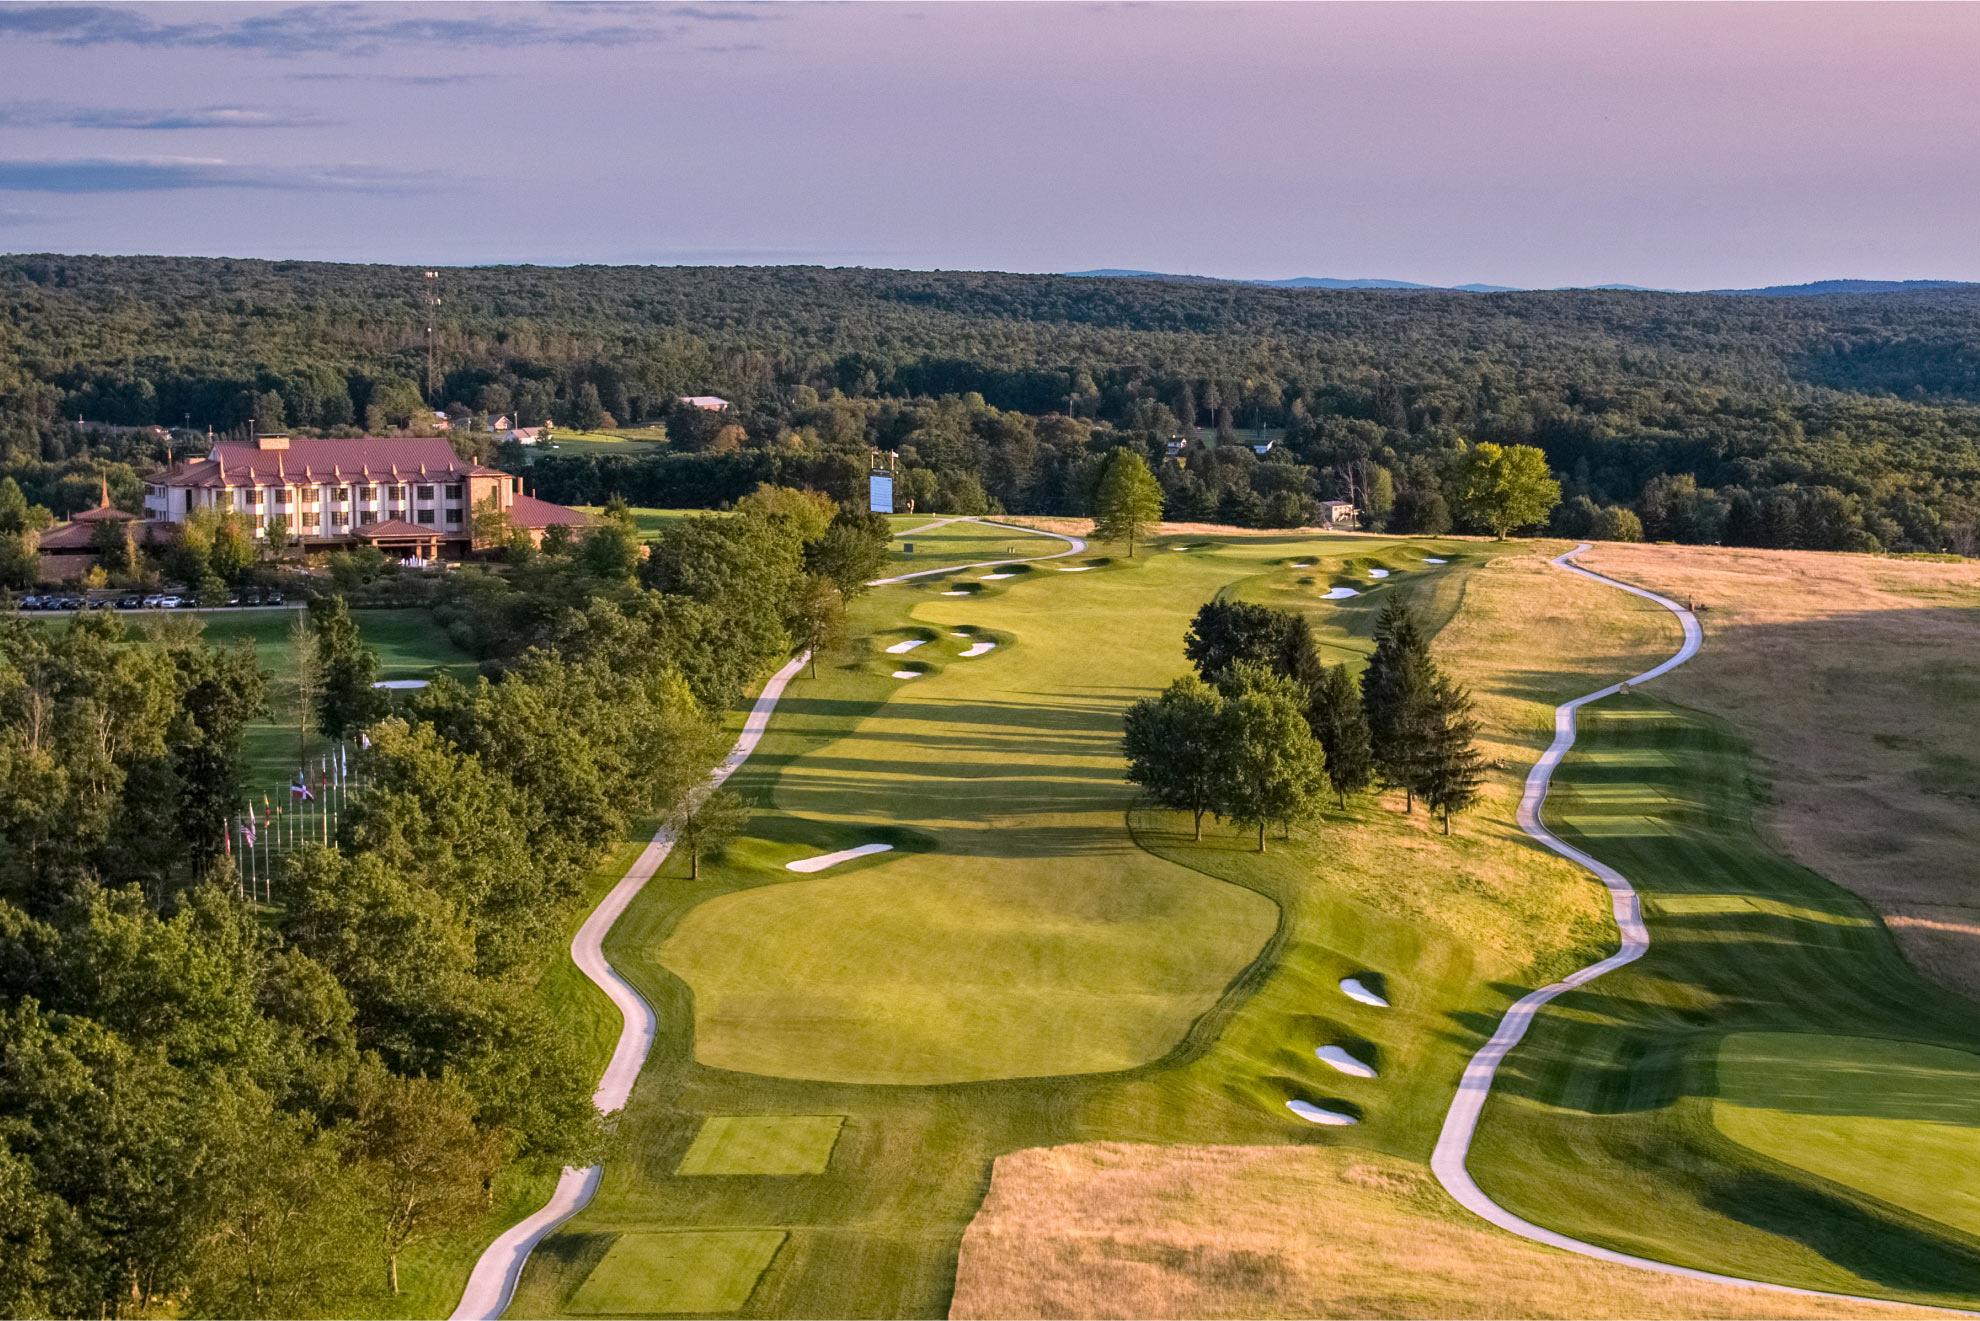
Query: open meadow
point(1033, 963)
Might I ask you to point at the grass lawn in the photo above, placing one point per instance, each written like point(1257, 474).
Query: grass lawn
point(630, 442)
point(1772, 1015)
point(961, 543)
point(691, 1272)
point(763, 1144)
point(409, 646)
point(1897, 1121)
point(652, 522)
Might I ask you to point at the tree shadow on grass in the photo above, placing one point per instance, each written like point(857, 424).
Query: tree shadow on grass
point(1884, 1250)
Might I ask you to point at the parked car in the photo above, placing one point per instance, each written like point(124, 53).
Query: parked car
point(250, 598)
point(30, 603)
point(128, 603)
point(274, 598)
point(167, 603)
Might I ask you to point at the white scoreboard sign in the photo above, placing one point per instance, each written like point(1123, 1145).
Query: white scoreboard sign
point(880, 492)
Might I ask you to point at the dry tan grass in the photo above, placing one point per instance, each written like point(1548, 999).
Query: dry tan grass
point(1857, 680)
point(1111, 1229)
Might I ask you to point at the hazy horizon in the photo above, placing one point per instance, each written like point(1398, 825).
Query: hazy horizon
point(1685, 146)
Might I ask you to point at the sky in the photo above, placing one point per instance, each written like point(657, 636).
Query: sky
point(1667, 145)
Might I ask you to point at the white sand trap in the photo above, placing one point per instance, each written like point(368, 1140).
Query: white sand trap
point(1313, 1114)
point(1432, 559)
point(993, 577)
point(1300, 564)
point(907, 674)
point(909, 645)
point(1081, 568)
point(1378, 573)
point(1335, 1057)
point(979, 649)
point(824, 860)
point(962, 635)
point(1352, 988)
point(960, 591)
point(1339, 594)
point(400, 684)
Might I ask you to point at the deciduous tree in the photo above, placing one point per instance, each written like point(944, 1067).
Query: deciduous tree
point(1129, 501)
point(1174, 746)
point(1333, 712)
point(1272, 767)
point(1506, 487)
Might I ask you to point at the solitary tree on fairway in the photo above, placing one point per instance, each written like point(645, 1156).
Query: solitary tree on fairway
point(1396, 689)
point(1451, 768)
point(305, 681)
point(1506, 487)
point(1130, 500)
point(1272, 767)
point(1333, 712)
point(1174, 747)
point(709, 827)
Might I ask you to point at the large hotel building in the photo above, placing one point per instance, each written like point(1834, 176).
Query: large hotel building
point(405, 496)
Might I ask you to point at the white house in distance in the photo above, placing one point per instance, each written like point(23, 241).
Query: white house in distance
point(408, 497)
point(713, 403)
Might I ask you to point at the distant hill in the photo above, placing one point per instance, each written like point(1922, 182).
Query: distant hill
point(1819, 287)
point(1301, 282)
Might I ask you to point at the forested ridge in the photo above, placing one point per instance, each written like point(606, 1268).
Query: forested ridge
point(1844, 421)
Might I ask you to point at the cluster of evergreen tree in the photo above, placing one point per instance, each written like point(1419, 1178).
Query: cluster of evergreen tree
point(1842, 421)
point(1263, 731)
point(212, 1110)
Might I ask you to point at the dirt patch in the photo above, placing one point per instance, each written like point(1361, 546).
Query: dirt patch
point(1857, 680)
point(1112, 1229)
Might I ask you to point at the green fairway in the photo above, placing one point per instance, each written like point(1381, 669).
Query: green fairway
point(763, 1144)
point(630, 442)
point(1022, 923)
point(1771, 1091)
point(410, 645)
point(652, 522)
point(661, 1274)
point(1897, 1121)
point(964, 543)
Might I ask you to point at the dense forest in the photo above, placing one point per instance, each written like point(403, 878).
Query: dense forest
point(212, 1106)
point(1840, 422)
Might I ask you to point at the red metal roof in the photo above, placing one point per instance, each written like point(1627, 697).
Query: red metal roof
point(394, 528)
point(528, 511)
point(377, 458)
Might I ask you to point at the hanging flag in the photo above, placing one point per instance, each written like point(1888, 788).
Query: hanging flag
point(300, 789)
point(247, 826)
point(364, 739)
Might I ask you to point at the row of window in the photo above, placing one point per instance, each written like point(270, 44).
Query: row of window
point(345, 494)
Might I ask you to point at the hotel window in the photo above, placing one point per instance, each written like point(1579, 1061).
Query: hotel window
point(426, 515)
point(366, 516)
point(453, 490)
point(309, 520)
point(252, 497)
point(453, 517)
point(340, 494)
point(398, 494)
point(309, 496)
point(424, 492)
point(281, 495)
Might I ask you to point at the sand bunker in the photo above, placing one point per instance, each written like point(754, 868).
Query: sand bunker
point(979, 649)
point(1352, 988)
point(1432, 559)
point(961, 635)
point(1337, 1058)
point(960, 591)
point(1378, 573)
point(1339, 594)
point(992, 577)
point(907, 674)
point(824, 860)
point(1077, 568)
point(909, 645)
point(1300, 564)
point(1313, 1114)
point(400, 685)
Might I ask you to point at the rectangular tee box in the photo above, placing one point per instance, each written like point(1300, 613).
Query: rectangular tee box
point(762, 1144)
point(701, 1271)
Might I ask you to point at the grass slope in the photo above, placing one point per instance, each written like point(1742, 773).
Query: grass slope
point(1602, 1125)
point(960, 543)
point(1008, 759)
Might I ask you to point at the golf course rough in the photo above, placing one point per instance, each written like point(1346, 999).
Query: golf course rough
point(1599, 1133)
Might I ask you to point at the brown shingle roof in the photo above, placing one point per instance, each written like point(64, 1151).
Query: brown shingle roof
point(394, 528)
point(528, 511)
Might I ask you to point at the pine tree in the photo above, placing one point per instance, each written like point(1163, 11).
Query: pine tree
point(1174, 750)
point(1333, 712)
point(1451, 767)
point(1396, 690)
point(1130, 500)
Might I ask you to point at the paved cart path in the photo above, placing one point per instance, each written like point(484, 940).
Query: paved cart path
point(1461, 1122)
